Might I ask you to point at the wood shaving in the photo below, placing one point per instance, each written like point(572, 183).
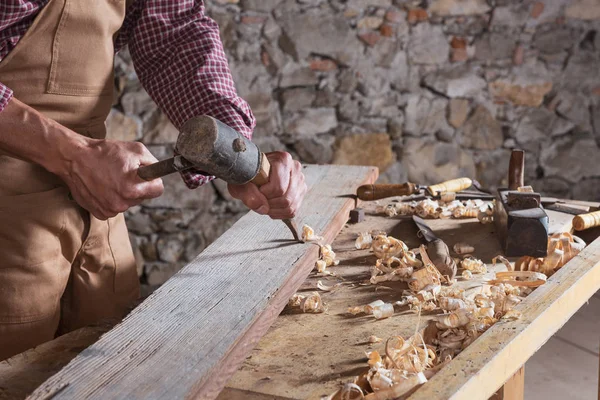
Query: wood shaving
point(467, 275)
point(374, 339)
point(308, 303)
point(473, 265)
point(562, 247)
point(326, 288)
point(384, 310)
point(463, 248)
point(441, 209)
point(520, 278)
point(504, 261)
point(308, 234)
point(363, 241)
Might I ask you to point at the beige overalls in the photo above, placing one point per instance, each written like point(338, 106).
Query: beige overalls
point(60, 268)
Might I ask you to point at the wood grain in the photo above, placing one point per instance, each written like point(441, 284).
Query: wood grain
point(189, 336)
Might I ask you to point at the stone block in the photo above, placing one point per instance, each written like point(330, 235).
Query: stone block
point(482, 131)
point(364, 149)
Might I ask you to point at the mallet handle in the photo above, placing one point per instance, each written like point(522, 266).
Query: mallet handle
point(586, 221)
point(381, 191)
point(164, 167)
point(262, 176)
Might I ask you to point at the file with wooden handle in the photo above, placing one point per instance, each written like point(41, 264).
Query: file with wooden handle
point(586, 221)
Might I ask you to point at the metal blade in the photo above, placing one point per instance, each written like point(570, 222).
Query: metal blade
point(424, 230)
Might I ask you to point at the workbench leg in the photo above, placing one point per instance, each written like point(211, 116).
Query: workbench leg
point(514, 388)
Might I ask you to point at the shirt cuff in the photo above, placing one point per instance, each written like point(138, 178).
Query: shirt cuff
point(194, 179)
point(5, 95)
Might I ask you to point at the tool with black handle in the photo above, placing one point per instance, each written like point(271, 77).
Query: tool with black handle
point(207, 144)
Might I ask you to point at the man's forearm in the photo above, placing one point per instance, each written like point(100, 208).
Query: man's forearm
point(29, 135)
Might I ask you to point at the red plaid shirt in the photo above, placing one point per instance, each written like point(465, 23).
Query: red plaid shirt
point(178, 57)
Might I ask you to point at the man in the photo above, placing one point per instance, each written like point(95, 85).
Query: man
point(65, 256)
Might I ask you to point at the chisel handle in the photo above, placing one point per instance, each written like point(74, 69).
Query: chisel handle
point(261, 178)
point(454, 185)
point(381, 191)
point(586, 221)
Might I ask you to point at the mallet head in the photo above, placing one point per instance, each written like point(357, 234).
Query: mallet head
point(218, 150)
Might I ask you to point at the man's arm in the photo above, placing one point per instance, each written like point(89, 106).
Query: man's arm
point(179, 58)
point(101, 174)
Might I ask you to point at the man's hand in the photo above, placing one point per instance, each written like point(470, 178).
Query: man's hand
point(281, 197)
point(102, 177)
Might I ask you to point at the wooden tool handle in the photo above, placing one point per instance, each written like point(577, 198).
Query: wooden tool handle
point(586, 221)
point(381, 191)
point(262, 176)
point(454, 185)
point(164, 167)
point(516, 170)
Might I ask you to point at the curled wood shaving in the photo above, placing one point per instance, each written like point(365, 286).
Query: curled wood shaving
point(520, 278)
point(363, 241)
point(504, 261)
point(382, 311)
point(444, 208)
point(326, 288)
point(308, 234)
point(374, 339)
point(447, 197)
point(473, 265)
point(562, 247)
point(467, 275)
point(463, 248)
point(308, 303)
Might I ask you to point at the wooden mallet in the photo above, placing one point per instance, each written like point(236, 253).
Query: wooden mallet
point(210, 146)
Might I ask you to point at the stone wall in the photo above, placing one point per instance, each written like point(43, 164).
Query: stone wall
point(425, 90)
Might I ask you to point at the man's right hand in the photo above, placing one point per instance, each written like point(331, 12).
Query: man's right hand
point(102, 177)
point(101, 174)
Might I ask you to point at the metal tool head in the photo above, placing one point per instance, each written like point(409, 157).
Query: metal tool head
point(219, 150)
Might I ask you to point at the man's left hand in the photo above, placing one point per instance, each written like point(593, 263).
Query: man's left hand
point(282, 196)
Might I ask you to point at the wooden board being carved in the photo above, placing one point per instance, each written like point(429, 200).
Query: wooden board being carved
point(188, 337)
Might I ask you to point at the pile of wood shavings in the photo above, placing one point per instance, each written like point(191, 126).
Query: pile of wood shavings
point(433, 209)
point(312, 303)
point(408, 363)
point(562, 247)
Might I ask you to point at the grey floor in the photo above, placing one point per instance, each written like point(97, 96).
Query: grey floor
point(566, 367)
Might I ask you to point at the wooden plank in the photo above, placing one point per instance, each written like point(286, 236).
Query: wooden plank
point(305, 356)
point(189, 336)
point(483, 366)
point(514, 388)
point(561, 371)
point(21, 374)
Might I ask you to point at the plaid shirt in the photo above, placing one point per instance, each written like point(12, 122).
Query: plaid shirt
point(178, 56)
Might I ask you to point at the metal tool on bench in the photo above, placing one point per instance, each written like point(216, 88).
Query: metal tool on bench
point(211, 146)
point(380, 191)
point(521, 222)
point(437, 250)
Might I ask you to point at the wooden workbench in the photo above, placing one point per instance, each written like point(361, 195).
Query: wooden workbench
point(306, 356)
point(309, 355)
